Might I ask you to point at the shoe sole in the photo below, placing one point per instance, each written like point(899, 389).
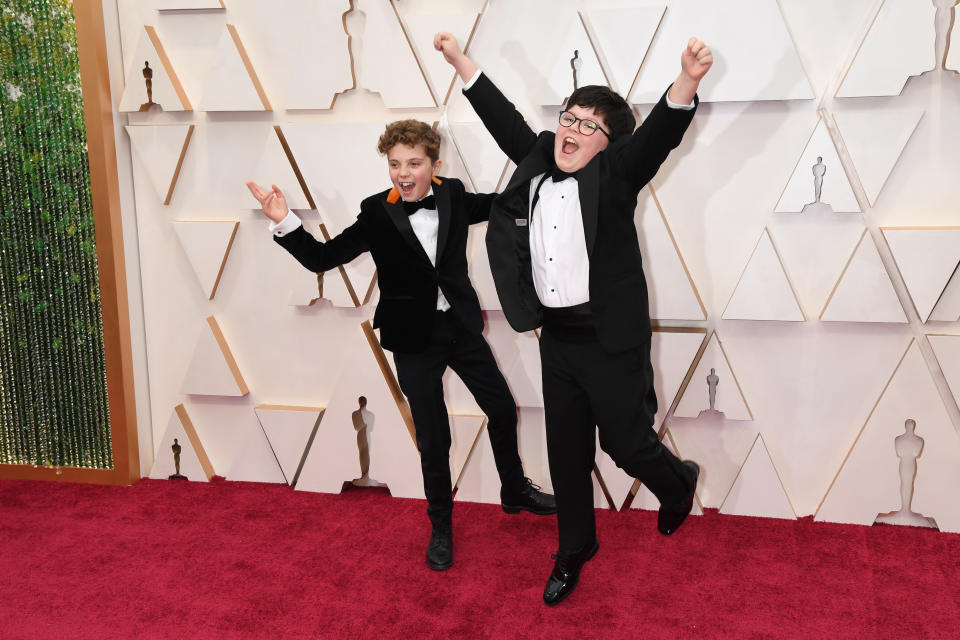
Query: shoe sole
point(596, 547)
point(507, 508)
point(439, 567)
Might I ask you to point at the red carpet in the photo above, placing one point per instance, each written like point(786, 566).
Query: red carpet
point(243, 560)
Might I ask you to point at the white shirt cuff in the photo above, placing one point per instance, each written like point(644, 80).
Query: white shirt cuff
point(683, 107)
point(285, 226)
point(470, 82)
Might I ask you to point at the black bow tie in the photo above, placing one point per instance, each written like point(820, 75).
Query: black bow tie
point(559, 176)
point(430, 202)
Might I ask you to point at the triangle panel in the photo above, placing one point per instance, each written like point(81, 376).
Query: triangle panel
point(947, 308)
point(323, 67)
point(232, 83)
point(576, 57)
point(898, 45)
point(484, 160)
point(669, 284)
point(151, 84)
point(334, 457)
point(764, 291)
point(207, 245)
point(947, 350)
point(864, 292)
point(869, 482)
point(180, 432)
point(737, 29)
point(289, 430)
point(160, 151)
point(819, 158)
point(729, 400)
point(387, 63)
point(421, 27)
point(758, 491)
point(213, 370)
point(874, 155)
point(927, 260)
point(623, 37)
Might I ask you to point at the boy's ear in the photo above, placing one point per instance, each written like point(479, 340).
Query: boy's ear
point(436, 167)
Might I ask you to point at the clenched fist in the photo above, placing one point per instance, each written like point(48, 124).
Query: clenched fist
point(696, 59)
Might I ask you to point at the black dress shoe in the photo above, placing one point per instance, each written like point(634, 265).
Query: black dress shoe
point(440, 549)
point(672, 516)
point(529, 498)
point(566, 572)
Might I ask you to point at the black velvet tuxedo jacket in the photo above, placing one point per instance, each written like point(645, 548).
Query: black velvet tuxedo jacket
point(608, 185)
point(408, 281)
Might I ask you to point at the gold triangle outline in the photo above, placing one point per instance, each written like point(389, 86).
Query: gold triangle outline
point(168, 67)
point(226, 251)
point(195, 442)
point(696, 363)
point(646, 52)
point(843, 273)
point(227, 355)
point(248, 65)
point(759, 438)
point(676, 248)
point(863, 427)
point(786, 276)
point(883, 232)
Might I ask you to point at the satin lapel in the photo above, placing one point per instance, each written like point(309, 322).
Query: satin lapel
point(588, 183)
point(533, 165)
point(402, 222)
point(444, 212)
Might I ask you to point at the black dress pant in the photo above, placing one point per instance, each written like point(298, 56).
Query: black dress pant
point(420, 378)
point(585, 387)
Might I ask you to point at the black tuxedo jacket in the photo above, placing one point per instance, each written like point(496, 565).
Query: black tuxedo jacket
point(408, 282)
point(608, 185)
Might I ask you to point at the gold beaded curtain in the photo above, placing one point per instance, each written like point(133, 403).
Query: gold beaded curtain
point(53, 389)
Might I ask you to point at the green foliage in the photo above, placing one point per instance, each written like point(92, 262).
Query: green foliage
point(53, 396)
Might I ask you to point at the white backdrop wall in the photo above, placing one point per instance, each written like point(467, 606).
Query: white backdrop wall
point(806, 310)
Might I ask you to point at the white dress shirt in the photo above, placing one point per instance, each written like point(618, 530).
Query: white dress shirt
point(425, 223)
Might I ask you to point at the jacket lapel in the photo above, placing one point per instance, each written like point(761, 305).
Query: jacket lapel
point(533, 165)
point(444, 212)
point(588, 184)
point(402, 222)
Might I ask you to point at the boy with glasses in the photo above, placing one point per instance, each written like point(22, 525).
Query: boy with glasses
point(564, 254)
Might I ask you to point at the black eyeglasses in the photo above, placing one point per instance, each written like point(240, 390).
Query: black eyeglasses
point(586, 127)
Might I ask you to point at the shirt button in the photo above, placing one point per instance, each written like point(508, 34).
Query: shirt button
point(551, 259)
point(554, 226)
point(552, 290)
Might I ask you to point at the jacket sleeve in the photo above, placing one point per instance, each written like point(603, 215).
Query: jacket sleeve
point(477, 206)
point(501, 118)
point(320, 256)
point(638, 157)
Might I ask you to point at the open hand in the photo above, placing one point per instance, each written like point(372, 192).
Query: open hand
point(273, 203)
point(445, 43)
point(696, 59)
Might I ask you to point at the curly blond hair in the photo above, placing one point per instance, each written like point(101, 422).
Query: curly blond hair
point(410, 133)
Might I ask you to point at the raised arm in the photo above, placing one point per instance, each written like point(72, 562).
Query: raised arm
point(640, 156)
point(508, 128)
point(313, 254)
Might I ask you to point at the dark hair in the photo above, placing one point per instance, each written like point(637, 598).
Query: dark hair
point(606, 103)
point(410, 133)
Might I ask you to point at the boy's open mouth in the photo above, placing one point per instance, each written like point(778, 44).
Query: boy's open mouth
point(406, 188)
point(569, 146)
